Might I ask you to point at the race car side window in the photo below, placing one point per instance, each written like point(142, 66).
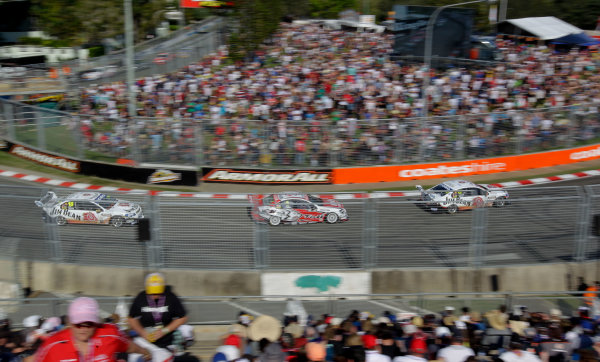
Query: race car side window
point(301, 205)
point(268, 200)
point(85, 205)
point(315, 199)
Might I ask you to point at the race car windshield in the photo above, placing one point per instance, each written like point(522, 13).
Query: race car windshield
point(107, 204)
point(105, 198)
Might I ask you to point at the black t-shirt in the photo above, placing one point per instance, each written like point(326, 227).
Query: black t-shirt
point(157, 313)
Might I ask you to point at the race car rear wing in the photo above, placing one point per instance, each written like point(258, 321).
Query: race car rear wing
point(48, 199)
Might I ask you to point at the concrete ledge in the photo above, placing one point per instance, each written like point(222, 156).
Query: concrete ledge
point(113, 281)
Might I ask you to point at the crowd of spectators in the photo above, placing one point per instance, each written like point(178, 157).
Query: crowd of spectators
point(448, 336)
point(316, 96)
point(407, 337)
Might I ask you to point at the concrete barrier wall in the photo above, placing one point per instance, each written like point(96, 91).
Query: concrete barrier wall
point(547, 277)
point(93, 280)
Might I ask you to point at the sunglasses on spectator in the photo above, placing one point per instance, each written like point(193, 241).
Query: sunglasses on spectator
point(85, 325)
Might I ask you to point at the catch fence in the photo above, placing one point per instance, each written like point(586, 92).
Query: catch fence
point(541, 225)
point(219, 310)
point(280, 144)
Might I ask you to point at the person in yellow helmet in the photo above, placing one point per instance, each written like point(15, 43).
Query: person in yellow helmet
point(156, 312)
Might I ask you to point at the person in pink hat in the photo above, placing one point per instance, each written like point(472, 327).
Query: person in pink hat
point(86, 338)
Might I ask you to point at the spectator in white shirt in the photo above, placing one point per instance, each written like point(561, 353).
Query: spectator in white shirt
point(517, 354)
point(455, 352)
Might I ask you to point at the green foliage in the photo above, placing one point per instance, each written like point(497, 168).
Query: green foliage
point(329, 9)
point(96, 51)
point(26, 40)
point(255, 21)
point(53, 43)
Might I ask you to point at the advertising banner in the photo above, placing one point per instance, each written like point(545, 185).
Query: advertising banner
point(205, 4)
point(272, 177)
point(144, 173)
point(315, 284)
point(464, 168)
point(43, 158)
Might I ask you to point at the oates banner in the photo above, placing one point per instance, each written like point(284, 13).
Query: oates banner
point(205, 3)
point(276, 177)
point(464, 168)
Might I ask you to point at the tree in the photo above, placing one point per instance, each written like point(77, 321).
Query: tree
point(254, 21)
point(329, 9)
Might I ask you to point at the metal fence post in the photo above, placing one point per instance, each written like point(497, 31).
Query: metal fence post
point(78, 137)
point(519, 133)
point(41, 133)
point(460, 143)
point(261, 245)
point(583, 224)
point(199, 149)
point(369, 234)
point(478, 237)
point(54, 241)
point(154, 245)
point(572, 124)
point(10, 119)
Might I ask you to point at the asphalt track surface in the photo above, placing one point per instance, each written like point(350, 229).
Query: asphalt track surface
point(537, 227)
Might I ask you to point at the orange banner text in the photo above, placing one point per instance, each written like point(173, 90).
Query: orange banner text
point(423, 171)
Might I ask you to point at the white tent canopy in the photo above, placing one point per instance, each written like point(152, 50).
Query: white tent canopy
point(546, 27)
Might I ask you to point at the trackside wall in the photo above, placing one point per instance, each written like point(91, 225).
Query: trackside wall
point(92, 280)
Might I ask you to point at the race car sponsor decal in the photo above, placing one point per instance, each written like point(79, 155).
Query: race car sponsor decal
point(89, 216)
point(205, 3)
point(160, 176)
point(478, 202)
point(45, 159)
point(261, 177)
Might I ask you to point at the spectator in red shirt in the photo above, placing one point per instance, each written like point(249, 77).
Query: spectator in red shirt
point(86, 338)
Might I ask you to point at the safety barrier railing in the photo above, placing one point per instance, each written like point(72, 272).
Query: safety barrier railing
point(220, 310)
point(322, 143)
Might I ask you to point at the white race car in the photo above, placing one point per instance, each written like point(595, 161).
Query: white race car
point(452, 196)
point(89, 208)
point(295, 208)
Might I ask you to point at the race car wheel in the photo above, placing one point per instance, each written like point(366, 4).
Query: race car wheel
point(500, 202)
point(60, 220)
point(452, 209)
point(332, 218)
point(274, 220)
point(117, 221)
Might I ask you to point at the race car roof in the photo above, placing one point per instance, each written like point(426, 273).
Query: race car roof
point(458, 184)
point(87, 196)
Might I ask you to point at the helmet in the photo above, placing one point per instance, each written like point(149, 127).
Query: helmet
point(155, 283)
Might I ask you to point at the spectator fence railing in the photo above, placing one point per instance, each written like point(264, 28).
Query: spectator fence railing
point(223, 310)
point(322, 143)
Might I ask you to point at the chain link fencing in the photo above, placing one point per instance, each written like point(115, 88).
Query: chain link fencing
point(225, 309)
point(300, 144)
point(540, 225)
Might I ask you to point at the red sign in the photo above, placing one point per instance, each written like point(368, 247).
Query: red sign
point(205, 3)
